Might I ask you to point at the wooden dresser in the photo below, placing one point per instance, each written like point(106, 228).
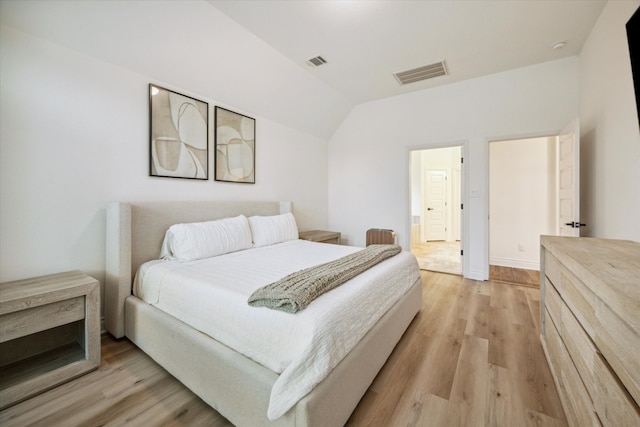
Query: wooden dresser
point(590, 327)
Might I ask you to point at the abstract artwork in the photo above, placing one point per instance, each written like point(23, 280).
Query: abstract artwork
point(235, 147)
point(179, 135)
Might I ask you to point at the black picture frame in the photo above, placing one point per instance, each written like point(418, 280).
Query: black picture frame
point(633, 38)
point(178, 135)
point(235, 147)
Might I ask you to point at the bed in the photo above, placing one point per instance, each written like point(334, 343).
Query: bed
point(229, 380)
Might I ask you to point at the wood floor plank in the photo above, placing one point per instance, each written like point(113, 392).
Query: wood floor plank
point(468, 401)
point(443, 354)
point(536, 419)
point(478, 316)
point(472, 357)
point(499, 336)
point(443, 351)
point(504, 405)
point(434, 412)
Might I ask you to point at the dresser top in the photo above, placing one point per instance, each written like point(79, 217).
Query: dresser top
point(609, 260)
point(610, 268)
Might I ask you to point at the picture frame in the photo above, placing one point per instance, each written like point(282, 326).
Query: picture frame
point(178, 135)
point(235, 142)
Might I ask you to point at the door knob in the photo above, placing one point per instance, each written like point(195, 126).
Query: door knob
point(429, 209)
point(575, 224)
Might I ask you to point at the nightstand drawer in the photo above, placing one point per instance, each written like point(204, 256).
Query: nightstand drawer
point(32, 320)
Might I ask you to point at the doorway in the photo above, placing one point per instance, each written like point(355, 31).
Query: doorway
point(522, 204)
point(435, 208)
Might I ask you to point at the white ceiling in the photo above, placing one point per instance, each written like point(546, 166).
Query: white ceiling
point(365, 42)
point(251, 55)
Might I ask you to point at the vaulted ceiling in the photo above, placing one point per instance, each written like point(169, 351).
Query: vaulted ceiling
point(252, 55)
point(365, 42)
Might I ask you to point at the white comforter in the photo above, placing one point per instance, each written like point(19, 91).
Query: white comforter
point(211, 296)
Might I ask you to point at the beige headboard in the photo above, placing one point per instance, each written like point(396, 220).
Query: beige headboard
point(135, 232)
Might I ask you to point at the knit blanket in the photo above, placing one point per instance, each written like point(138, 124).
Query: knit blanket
point(294, 292)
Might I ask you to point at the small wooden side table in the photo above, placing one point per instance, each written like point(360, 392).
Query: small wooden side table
point(49, 333)
point(321, 236)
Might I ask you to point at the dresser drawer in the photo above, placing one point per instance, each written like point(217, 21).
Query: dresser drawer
point(612, 335)
point(581, 349)
point(576, 401)
point(619, 344)
point(614, 405)
point(553, 302)
point(581, 301)
point(552, 269)
point(36, 319)
point(553, 346)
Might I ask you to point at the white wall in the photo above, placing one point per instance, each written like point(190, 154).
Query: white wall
point(74, 137)
point(191, 44)
point(521, 204)
point(610, 156)
point(369, 153)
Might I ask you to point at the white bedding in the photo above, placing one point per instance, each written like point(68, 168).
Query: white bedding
point(211, 296)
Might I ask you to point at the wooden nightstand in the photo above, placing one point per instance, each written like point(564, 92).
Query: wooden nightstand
point(321, 236)
point(49, 333)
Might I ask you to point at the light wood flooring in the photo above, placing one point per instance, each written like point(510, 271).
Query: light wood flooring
point(472, 357)
point(444, 257)
point(441, 257)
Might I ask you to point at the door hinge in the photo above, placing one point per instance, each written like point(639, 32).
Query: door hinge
point(461, 205)
point(461, 159)
point(461, 252)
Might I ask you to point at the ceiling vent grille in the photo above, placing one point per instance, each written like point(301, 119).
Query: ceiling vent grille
point(317, 61)
point(421, 73)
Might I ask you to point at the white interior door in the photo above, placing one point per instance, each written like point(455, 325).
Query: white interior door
point(435, 205)
point(569, 180)
point(456, 202)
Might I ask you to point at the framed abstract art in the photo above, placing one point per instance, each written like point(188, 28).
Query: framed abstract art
point(235, 141)
point(179, 135)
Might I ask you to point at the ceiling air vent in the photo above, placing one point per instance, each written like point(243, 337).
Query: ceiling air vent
point(421, 73)
point(317, 61)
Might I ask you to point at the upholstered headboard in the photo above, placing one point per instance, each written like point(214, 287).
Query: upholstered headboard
point(135, 232)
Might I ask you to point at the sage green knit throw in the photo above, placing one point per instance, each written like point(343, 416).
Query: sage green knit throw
point(294, 292)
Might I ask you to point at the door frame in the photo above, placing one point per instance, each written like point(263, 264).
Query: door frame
point(509, 137)
point(464, 200)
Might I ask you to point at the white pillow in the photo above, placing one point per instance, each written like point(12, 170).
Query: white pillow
point(188, 242)
point(268, 230)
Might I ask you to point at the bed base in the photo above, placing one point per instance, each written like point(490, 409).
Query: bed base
point(234, 385)
point(239, 388)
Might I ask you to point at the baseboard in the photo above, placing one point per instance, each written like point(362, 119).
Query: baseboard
point(514, 263)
